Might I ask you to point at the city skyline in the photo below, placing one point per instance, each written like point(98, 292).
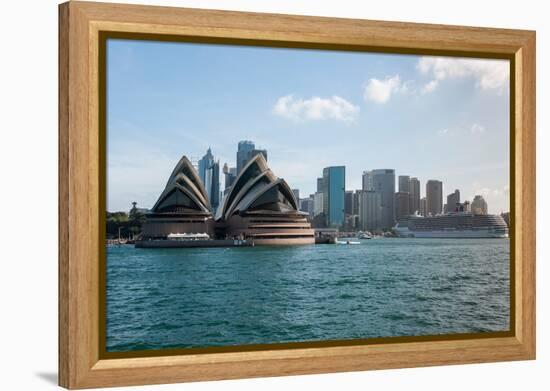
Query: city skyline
point(401, 184)
point(365, 118)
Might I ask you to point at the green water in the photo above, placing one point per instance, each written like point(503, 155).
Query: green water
point(178, 298)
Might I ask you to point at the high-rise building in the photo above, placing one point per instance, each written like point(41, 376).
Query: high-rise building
point(404, 184)
point(434, 197)
point(401, 204)
point(355, 203)
point(296, 193)
point(246, 150)
point(453, 201)
point(204, 163)
point(370, 209)
point(384, 183)
point(348, 202)
point(479, 205)
point(414, 202)
point(209, 173)
point(317, 204)
point(306, 205)
point(230, 175)
point(368, 178)
point(334, 182)
point(423, 207)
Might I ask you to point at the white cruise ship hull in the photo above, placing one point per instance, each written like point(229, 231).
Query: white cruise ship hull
point(452, 234)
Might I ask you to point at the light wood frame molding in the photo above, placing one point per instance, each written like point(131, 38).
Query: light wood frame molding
point(81, 164)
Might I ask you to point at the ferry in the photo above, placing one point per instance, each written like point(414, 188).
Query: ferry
point(452, 225)
point(188, 236)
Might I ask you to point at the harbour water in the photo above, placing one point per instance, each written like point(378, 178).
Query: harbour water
point(199, 297)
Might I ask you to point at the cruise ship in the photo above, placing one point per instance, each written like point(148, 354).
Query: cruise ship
point(452, 225)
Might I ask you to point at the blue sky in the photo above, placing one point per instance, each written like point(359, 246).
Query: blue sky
point(429, 117)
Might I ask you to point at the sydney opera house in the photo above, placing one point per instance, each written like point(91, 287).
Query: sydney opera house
point(258, 207)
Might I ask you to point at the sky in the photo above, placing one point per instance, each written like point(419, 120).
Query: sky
point(428, 117)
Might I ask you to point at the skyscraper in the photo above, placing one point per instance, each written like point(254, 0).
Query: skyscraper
point(296, 193)
point(348, 202)
point(230, 175)
point(246, 150)
point(401, 204)
point(209, 173)
point(423, 206)
point(355, 203)
point(434, 197)
point(317, 204)
point(205, 163)
point(414, 202)
point(306, 205)
point(370, 209)
point(384, 183)
point(404, 184)
point(453, 201)
point(479, 205)
point(334, 181)
point(368, 183)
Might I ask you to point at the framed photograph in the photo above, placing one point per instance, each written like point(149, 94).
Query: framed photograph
point(247, 195)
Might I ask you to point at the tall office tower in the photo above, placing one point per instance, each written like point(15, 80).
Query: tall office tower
point(214, 185)
point(370, 209)
point(230, 175)
point(320, 204)
point(355, 204)
point(246, 150)
point(479, 205)
point(453, 201)
point(423, 207)
point(401, 204)
point(367, 181)
point(205, 163)
point(348, 202)
point(334, 179)
point(384, 183)
point(296, 193)
point(306, 205)
point(209, 172)
point(317, 204)
point(434, 197)
point(404, 182)
point(414, 202)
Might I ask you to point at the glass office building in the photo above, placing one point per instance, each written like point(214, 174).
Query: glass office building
point(334, 200)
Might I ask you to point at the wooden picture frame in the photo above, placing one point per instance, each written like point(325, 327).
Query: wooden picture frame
point(82, 167)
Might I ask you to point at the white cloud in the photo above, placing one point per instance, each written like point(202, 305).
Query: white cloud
point(488, 74)
point(380, 91)
point(430, 86)
point(477, 128)
point(497, 198)
point(315, 108)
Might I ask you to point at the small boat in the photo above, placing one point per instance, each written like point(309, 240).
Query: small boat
point(364, 235)
point(346, 242)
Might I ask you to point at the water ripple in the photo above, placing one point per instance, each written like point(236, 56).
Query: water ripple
point(179, 298)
